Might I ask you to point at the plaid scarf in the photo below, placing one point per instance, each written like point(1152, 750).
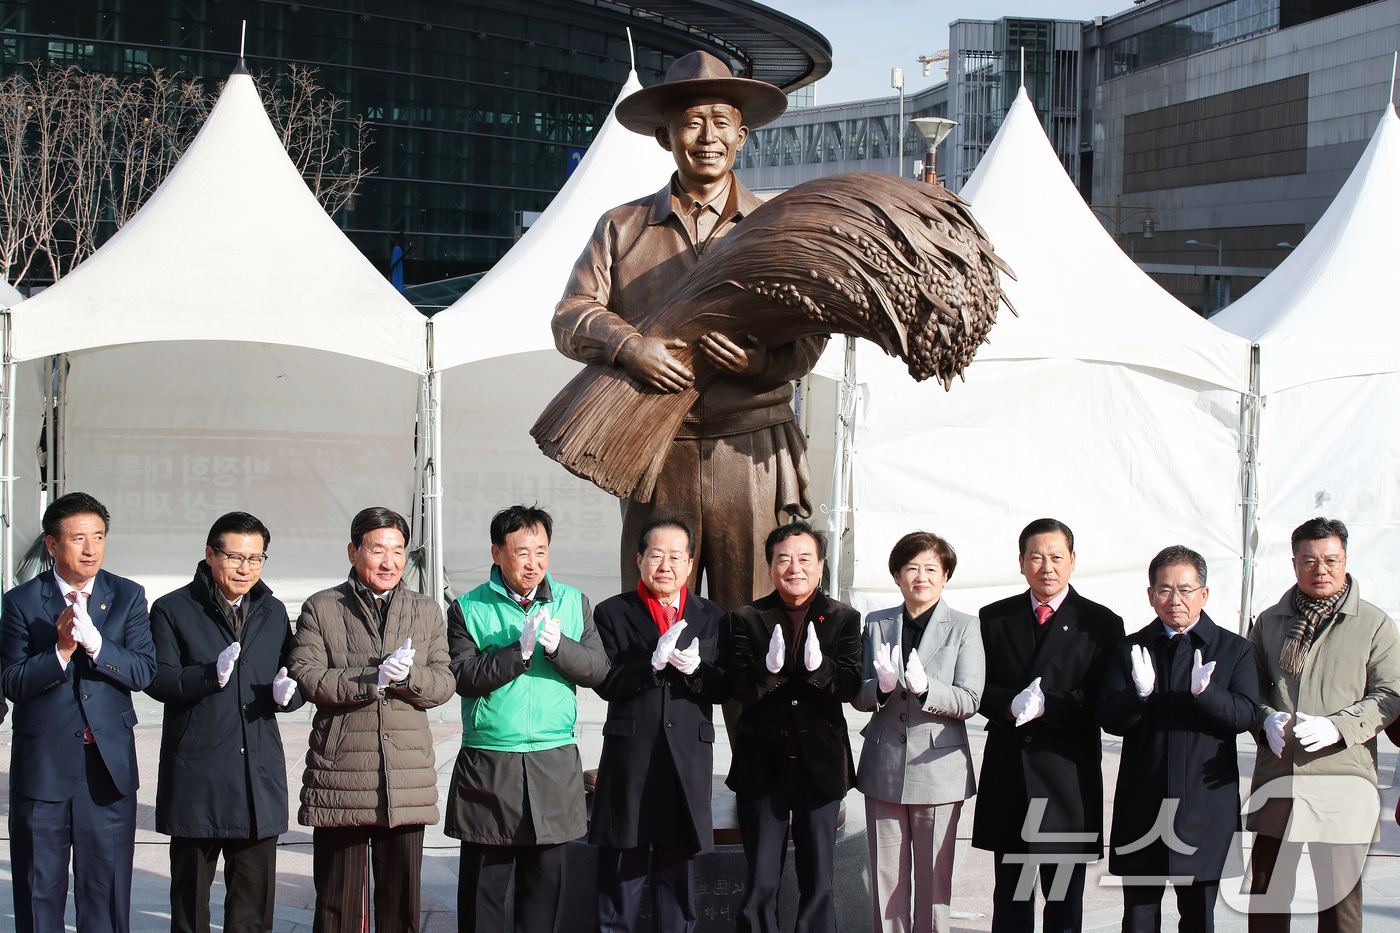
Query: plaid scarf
point(1311, 614)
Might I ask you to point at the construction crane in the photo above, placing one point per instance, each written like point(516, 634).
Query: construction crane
point(927, 61)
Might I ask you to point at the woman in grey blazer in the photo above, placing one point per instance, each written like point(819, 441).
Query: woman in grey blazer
point(923, 677)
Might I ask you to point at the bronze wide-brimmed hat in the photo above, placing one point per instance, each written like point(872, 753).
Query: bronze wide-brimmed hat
point(695, 77)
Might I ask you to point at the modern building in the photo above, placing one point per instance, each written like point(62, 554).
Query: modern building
point(1208, 135)
point(475, 106)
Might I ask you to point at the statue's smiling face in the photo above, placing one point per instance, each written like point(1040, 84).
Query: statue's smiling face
point(704, 139)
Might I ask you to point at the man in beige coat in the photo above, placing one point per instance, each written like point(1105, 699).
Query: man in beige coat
point(1329, 680)
point(372, 655)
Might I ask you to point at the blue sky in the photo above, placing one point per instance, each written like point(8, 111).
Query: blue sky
point(869, 37)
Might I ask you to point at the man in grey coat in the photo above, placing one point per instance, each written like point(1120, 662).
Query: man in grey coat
point(1329, 680)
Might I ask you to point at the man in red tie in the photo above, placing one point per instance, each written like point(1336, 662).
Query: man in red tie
point(1042, 776)
point(665, 646)
point(74, 644)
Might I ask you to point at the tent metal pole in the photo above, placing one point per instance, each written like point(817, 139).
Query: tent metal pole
point(1249, 448)
point(840, 473)
point(435, 475)
point(7, 496)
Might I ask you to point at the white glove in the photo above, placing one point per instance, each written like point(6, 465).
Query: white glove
point(1029, 704)
point(812, 651)
point(1273, 731)
point(1315, 732)
point(527, 637)
point(665, 645)
point(395, 667)
point(86, 634)
point(550, 635)
point(777, 650)
point(283, 687)
point(224, 666)
point(1200, 675)
point(687, 661)
point(1144, 675)
point(915, 678)
point(885, 671)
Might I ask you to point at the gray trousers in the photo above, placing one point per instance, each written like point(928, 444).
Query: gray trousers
point(911, 864)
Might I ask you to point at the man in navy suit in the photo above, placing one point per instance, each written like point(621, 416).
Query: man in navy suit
point(1041, 792)
point(74, 644)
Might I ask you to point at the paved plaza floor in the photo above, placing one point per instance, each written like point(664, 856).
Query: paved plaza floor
point(972, 884)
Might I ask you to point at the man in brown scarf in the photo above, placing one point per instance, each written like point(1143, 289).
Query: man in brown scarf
point(1329, 680)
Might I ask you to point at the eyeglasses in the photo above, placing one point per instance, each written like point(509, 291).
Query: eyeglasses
point(656, 559)
point(1165, 593)
point(238, 560)
point(1309, 564)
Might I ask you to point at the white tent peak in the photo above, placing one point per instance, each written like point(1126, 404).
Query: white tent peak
point(508, 311)
point(1078, 294)
point(1327, 311)
point(231, 246)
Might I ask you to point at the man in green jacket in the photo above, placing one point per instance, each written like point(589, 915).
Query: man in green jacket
point(1329, 680)
point(520, 643)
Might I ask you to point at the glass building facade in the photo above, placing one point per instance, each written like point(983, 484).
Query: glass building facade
point(474, 106)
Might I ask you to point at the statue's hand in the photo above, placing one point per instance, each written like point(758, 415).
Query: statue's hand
point(747, 360)
point(649, 361)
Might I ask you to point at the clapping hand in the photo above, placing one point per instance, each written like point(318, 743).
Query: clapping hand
point(1029, 703)
point(915, 678)
point(395, 667)
point(283, 687)
point(1315, 732)
point(687, 661)
point(1144, 675)
point(812, 650)
point(1273, 731)
point(1200, 675)
point(665, 646)
point(885, 672)
point(223, 667)
point(85, 633)
point(550, 634)
point(528, 635)
point(777, 649)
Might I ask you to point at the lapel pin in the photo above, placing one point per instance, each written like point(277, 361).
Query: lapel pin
point(1066, 628)
point(103, 606)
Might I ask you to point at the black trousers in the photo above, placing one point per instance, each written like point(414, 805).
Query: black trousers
point(1336, 869)
point(1195, 904)
point(1013, 914)
point(484, 874)
point(763, 822)
point(341, 862)
point(250, 883)
point(622, 873)
point(96, 830)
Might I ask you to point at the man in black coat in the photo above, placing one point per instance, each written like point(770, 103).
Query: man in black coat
point(1040, 795)
point(795, 659)
point(221, 653)
point(1178, 691)
point(664, 645)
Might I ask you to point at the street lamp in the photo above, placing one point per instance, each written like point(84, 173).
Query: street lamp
point(934, 130)
point(1219, 261)
point(1122, 212)
point(897, 81)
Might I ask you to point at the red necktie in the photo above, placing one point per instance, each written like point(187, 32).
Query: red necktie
point(670, 615)
point(1043, 613)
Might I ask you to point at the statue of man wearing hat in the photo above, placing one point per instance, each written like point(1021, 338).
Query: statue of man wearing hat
point(739, 461)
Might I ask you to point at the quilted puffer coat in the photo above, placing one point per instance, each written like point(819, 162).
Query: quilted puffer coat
point(370, 761)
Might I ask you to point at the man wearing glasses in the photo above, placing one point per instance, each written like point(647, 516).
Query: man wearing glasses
point(1178, 691)
point(222, 642)
point(665, 645)
point(1329, 679)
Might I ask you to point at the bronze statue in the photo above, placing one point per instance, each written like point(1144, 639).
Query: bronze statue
point(695, 324)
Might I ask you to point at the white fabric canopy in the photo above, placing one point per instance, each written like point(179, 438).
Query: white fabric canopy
point(501, 328)
point(1329, 376)
point(508, 311)
point(227, 349)
point(231, 246)
point(9, 295)
point(1106, 404)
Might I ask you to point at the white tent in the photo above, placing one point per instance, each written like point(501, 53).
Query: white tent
point(1328, 340)
point(1106, 404)
point(228, 348)
point(495, 356)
